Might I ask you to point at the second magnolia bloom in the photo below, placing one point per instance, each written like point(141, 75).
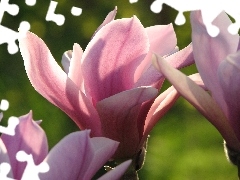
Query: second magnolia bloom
point(217, 60)
point(76, 156)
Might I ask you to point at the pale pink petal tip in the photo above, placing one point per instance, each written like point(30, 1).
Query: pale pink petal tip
point(159, 34)
point(110, 17)
point(66, 58)
point(75, 66)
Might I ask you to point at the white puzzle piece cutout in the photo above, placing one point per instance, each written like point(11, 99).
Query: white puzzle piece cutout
point(76, 11)
point(51, 16)
point(10, 129)
point(31, 171)
point(210, 10)
point(133, 1)
point(4, 171)
point(7, 35)
point(30, 2)
point(4, 105)
point(12, 121)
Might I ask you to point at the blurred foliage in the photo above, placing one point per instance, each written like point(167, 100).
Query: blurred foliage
point(183, 145)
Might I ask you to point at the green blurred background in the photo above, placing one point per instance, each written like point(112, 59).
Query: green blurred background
point(183, 145)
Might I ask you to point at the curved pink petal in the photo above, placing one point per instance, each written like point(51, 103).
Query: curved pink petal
point(110, 17)
point(178, 60)
point(182, 58)
point(151, 77)
point(104, 149)
point(200, 99)
point(123, 116)
point(75, 72)
point(162, 39)
point(29, 137)
point(238, 46)
point(66, 58)
point(76, 156)
point(162, 104)
point(3, 152)
point(210, 51)
point(71, 61)
point(229, 77)
point(112, 56)
point(51, 82)
point(158, 109)
point(117, 172)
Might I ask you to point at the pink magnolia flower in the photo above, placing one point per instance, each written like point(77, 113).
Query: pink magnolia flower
point(109, 88)
point(217, 60)
point(76, 156)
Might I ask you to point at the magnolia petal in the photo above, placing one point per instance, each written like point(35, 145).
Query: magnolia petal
point(76, 156)
point(117, 172)
point(4, 158)
point(3, 153)
point(158, 36)
point(112, 56)
point(158, 109)
point(229, 78)
point(162, 104)
point(67, 159)
point(104, 149)
point(110, 17)
point(210, 51)
point(121, 119)
point(29, 137)
point(151, 77)
point(178, 60)
point(51, 82)
point(71, 61)
point(200, 99)
point(181, 58)
point(75, 73)
point(162, 39)
point(66, 58)
point(238, 46)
